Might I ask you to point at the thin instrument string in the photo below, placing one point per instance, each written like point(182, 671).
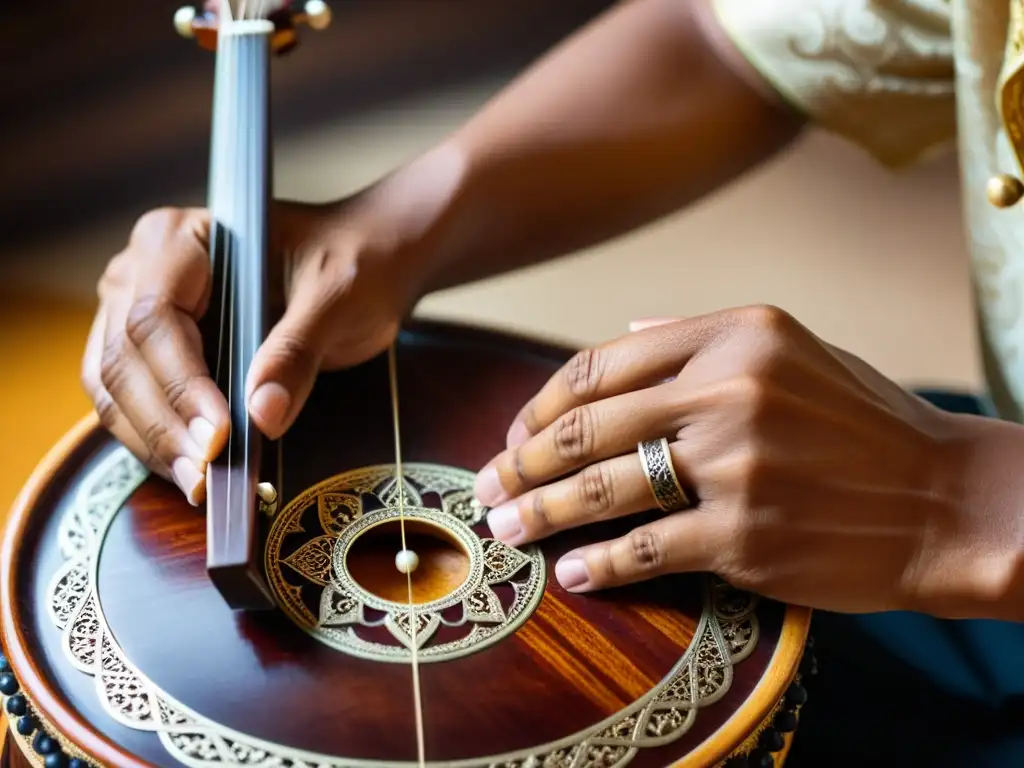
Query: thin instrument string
point(400, 484)
point(230, 172)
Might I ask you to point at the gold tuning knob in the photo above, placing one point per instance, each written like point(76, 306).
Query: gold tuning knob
point(318, 14)
point(1004, 190)
point(183, 20)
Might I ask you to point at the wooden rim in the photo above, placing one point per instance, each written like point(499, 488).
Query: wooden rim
point(779, 673)
point(30, 677)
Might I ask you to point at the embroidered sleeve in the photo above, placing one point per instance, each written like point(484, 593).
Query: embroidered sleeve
point(878, 72)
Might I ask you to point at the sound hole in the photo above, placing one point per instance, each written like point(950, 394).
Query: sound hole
point(443, 563)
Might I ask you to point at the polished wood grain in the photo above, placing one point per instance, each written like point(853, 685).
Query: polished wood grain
point(577, 660)
point(443, 564)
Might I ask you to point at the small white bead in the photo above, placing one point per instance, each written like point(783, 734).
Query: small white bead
point(407, 561)
point(183, 19)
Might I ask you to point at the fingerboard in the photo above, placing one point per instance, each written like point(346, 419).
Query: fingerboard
point(239, 197)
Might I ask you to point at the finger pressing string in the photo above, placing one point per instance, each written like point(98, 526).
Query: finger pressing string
point(144, 404)
point(109, 414)
point(169, 344)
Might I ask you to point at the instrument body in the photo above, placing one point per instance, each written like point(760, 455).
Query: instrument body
point(563, 670)
point(124, 641)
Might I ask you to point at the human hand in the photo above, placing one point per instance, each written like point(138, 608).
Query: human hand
point(143, 366)
point(812, 478)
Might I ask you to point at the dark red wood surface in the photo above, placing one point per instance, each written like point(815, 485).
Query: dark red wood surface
point(576, 661)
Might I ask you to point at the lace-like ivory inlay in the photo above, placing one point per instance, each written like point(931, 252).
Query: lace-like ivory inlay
point(726, 634)
point(315, 589)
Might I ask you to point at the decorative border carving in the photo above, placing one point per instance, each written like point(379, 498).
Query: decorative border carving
point(342, 516)
point(726, 635)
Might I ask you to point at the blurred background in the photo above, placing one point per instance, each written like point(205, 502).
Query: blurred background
point(106, 114)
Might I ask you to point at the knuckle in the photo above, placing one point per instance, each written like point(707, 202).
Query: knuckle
point(749, 474)
point(114, 365)
point(583, 372)
point(175, 392)
point(595, 489)
point(146, 320)
point(519, 470)
point(747, 392)
point(537, 514)
point(106, 411)
point(574, 434)
point(157, 223)
point(157, 438)
point(293, 351)
point(647, 549)
point(769, 318)
point(751, 391)
point(114, 276)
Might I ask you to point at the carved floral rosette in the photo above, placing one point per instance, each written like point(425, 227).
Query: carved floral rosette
point(726, 634)
point(306, 565)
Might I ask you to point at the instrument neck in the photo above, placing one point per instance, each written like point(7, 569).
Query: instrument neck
point(239, 195)
point(239, 200)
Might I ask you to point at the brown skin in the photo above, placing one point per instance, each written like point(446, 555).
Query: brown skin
point(817, 480)
point(670, 121)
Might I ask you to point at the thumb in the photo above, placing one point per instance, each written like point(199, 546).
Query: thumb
point(285, 368)
point(650, 322)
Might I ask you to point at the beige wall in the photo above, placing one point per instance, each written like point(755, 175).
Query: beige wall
point(872, 261)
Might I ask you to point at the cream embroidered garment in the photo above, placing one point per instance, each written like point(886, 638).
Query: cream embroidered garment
point(903, 79)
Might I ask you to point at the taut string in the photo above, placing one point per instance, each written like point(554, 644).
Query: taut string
point(400, 484)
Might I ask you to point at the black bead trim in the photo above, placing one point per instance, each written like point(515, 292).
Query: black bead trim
point(27, 725)
point(772, 739)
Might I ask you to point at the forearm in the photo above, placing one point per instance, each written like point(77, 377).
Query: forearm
point(639, 114)
point(981, 573)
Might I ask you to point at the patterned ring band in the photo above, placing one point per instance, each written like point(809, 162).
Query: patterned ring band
point(661, 475)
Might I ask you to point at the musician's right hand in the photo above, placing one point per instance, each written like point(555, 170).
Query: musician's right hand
point(144, 368)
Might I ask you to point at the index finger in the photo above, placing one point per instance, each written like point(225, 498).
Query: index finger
point(637, 360)
point(171, 292)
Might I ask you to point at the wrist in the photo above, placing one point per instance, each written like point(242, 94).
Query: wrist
point(406, 221)
point(975, 567)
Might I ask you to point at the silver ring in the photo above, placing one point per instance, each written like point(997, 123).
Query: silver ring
point(656, 460)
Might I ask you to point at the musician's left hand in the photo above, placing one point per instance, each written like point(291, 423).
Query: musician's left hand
point(812, 478)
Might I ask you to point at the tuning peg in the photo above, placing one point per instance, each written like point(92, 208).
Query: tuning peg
point(1004, 190)
point(317, 14)
point(184, 17)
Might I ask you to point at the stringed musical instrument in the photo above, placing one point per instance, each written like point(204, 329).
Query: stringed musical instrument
point(274, 630)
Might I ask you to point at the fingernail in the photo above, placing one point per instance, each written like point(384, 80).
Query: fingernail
point(504, 523)
point(571, 572)
point(488, 488)
point(271, 402)
point(202, 432)
point(517, 434)
point(188, 478)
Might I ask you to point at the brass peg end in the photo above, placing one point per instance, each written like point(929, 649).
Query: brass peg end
point(183, 19)
point(318, 14)
point(1005, 190)
point(268, 498)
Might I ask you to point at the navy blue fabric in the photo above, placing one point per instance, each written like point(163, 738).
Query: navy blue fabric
point(903, 689)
